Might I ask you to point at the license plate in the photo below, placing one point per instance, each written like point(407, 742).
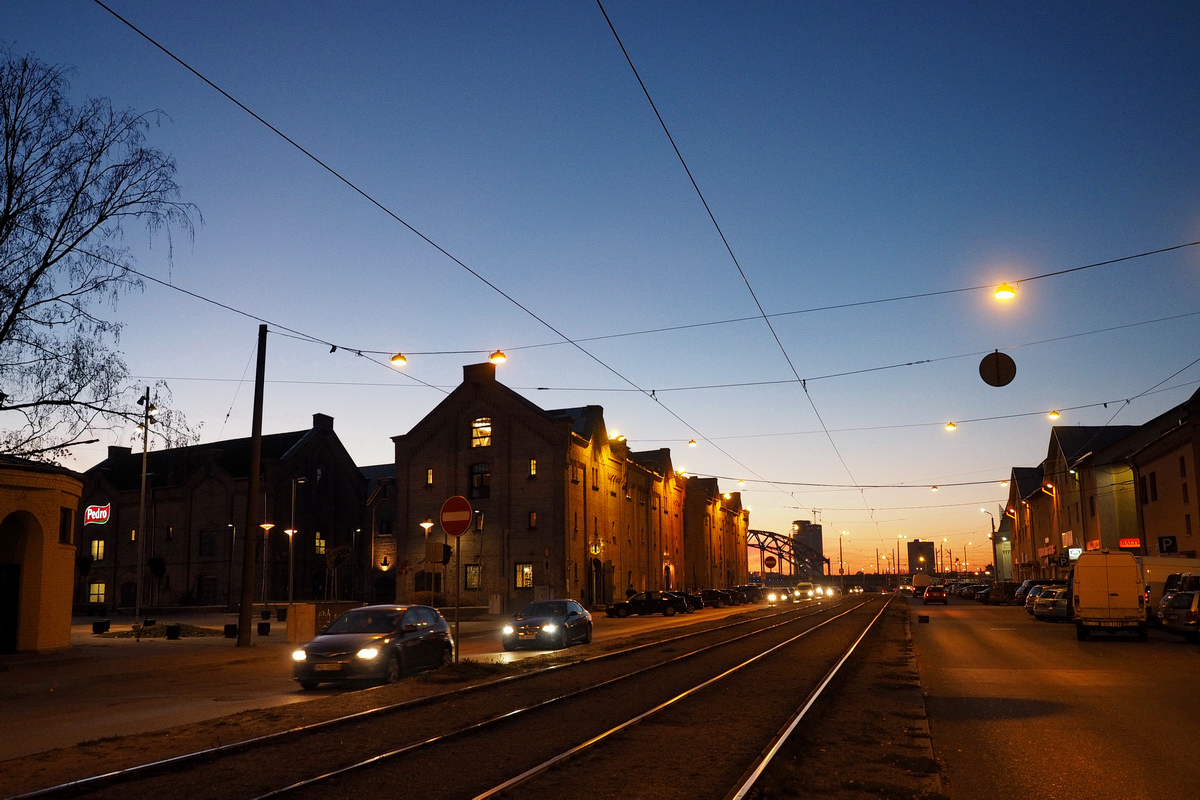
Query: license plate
point(327, 667)
point(1172, 617)
point(527, 636)
point(1112, 625)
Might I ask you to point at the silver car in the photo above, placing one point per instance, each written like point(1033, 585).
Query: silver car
point(1182, 615)
point(1052, 604)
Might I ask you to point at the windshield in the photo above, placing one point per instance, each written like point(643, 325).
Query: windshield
point(364, 622)
point(545, 608)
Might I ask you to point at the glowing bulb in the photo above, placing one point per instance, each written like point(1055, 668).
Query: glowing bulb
point(1054, 415)
point(497, 357)
point(399, 360)
point(1005, 292)
point(950, 426)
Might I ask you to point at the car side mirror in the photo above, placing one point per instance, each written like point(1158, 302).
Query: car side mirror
point(408, 627)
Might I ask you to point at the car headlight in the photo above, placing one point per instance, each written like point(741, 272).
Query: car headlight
point(299, 655)
point(771, 598)
point(549, 627)
point(368, 653)
point(508, 630)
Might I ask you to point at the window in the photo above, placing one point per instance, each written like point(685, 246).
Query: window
point(481, 432)
point(1185, 494)
point(66, 525)
point(206, 589)
point(1092, 505)
point(429, 476)
point(532, 519)
point(207, 544)
point(97, 549)
point(1153, 487)
point(595, 478)
point(319, 543)
point(533, 467)
point(523, 575)
point(427, 581)
point(1182, 467)
point(472, 577)
point(480, 484)
point(1187, 524)
point(96, 593)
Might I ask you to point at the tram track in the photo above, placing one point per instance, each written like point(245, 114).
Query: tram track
point(479, 725)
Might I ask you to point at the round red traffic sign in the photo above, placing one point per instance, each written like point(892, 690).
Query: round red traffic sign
point(769, 562)
point(456, 516)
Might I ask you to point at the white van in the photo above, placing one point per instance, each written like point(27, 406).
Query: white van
point(1108, 593)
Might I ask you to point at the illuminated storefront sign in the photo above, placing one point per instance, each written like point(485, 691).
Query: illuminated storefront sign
point(96, 515)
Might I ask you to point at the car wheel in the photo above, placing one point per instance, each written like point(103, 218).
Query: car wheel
point(622, 612)
point(310, 685)
point(447, 656)
point(562, 642)
point(587, 635)
point(507, 645)
point(669, 611)
point(391, 670)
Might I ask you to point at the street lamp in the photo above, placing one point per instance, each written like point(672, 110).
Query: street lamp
point(842, 561)
point(148, 414)
point(266, 526)
point(291, 532)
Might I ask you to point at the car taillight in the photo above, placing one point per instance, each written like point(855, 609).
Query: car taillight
point(1193, 616)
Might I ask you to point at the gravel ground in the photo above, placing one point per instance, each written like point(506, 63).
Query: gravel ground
point(870, 739)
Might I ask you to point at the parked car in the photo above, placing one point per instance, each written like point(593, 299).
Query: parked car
point(654, 602)
point(754, 594)
point(715, 598)
point(375, 643)
point(1002, 593)
point(936, 594)
point(1176, 582)
point(693, 600)
point(550, 624)
point(1053, 604)
point(1182, 615)
point(736, 595)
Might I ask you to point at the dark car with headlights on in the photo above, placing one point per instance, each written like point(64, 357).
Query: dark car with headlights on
point(648, 603)
point(548, 623)
point(375, 643)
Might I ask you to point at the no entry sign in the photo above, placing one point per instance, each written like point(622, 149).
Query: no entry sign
point(456, 516)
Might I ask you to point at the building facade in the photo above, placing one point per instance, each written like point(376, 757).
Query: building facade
point(195, 524)
point(561, 508)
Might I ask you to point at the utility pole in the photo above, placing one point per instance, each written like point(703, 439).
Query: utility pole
point(252, 490)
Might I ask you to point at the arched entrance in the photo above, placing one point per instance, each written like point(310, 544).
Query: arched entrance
point(16, 531)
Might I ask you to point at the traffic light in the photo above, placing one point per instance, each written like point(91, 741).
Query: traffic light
point(447, 551)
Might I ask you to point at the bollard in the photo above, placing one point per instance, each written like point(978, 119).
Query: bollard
point(922, 618)
point(173, 631)
point(231, 630)
point(264, 629)
point(100, 626)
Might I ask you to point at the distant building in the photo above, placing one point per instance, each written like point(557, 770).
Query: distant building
point(196, 519)
point(921, 558)
point(560, 508)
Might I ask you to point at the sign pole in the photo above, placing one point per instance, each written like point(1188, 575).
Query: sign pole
point(456, 518)
point(457, 590)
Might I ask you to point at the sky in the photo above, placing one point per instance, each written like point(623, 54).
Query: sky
point(787, 256)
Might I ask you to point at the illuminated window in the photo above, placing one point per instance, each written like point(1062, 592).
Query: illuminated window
point(95, 592)
point(429, 476)
point(533, 519)
point(523, 576)
point(481, 432)
point(472, 577)
point(533, 467)
point(319, 543)
point(97, 549)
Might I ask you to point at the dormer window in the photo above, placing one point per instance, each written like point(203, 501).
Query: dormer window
point(481, 432)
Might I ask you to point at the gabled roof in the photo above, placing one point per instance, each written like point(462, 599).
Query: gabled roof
point(1026, 480)
point(377, 472)
point(123, 467)
point(1079, 440)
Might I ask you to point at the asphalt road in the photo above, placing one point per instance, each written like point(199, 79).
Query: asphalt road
point(1019, 709)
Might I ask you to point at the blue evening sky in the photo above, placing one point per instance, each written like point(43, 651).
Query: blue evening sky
point(849, 151)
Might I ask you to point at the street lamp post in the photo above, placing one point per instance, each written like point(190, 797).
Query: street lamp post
point(291, 532)
point(266, 526)
point(232, 550)
point(842, 561)
point(148, 411)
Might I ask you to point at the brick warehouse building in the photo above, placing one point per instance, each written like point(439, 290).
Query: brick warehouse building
point(561, 509)
point(196, 516)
